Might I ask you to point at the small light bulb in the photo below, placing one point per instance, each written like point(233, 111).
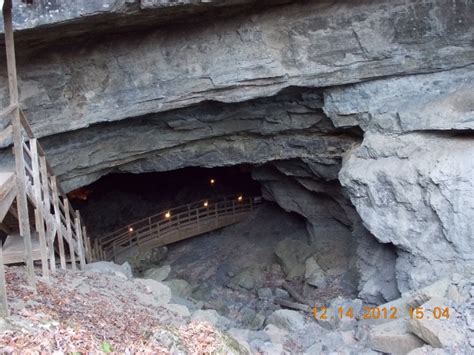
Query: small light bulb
point(168, 214)
point(212, 181)
point(206, 204)
point(240, 198)
point(130, 229)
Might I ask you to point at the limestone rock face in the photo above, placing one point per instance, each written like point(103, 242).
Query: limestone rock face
point(410, 179)
point(250, 55)
point(415, 191)
point(441, 101)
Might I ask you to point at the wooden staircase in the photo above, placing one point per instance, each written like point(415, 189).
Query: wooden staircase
point(35, 214)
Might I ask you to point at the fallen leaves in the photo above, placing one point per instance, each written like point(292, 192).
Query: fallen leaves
point(104, 318)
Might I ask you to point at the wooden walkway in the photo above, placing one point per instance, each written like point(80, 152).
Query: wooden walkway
point(179, 223)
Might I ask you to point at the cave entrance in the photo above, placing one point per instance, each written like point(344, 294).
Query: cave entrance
point(304, 240)
point(118, 200)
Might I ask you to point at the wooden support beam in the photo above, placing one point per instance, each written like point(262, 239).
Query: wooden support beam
point(22, 201)
point(69, 239)
point(80, 241)
point(3, 287)
point(57, 216)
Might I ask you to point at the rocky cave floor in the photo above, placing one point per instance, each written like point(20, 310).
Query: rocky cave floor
point(241, 270)
point(237, 277)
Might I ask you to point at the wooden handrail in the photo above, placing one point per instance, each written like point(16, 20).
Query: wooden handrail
point(45, 193)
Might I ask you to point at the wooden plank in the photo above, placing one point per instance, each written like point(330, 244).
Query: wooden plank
point(72, 255)
point(57, 216)
point(80, 241)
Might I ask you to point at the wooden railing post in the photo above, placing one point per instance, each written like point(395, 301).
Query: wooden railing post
point(3, 287)
point(69, 239)
point(197, 219)
point(96, 250)
point(57, 216)
point(51, 231)
point(87, 244)
point(39, 216)
point(80, 242)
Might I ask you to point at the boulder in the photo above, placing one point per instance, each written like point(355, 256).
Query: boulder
point(247, 279)
point(211, 316)
point(179, 288)
point(141, 260)
point(157, 273)
point(264, 293)
point(157, 292)
point(393, 337)
point(314, 275)
point(439, 333)
point(178, 309)
point(292, 255)
point(208, 315)
point(276, 334)
point(251, 319)
point(287, 319)
point(108, 267)
point(429, 350)
point(334, 321)
point(281, 293)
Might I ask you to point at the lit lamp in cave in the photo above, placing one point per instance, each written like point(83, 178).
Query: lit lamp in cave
point(130, 229)
point(206, 203)
point(212, 182)
point(168, 214)
point(240, 198)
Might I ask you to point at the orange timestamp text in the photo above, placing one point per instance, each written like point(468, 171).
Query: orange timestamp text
point(377, 313)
